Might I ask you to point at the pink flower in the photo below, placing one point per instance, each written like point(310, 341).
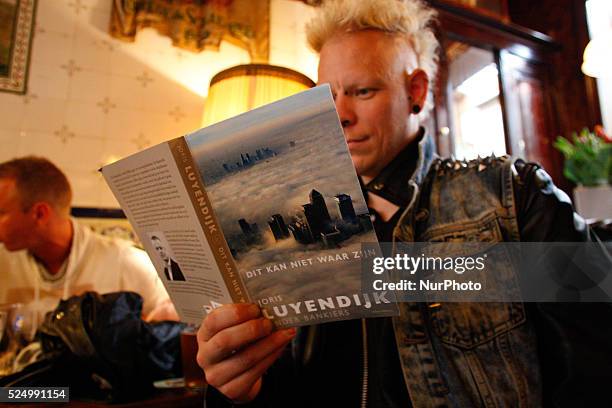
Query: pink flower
point(599, 131)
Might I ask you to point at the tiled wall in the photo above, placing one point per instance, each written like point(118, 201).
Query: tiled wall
point(92, 98)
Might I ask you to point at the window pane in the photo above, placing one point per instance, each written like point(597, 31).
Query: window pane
point(474, 103)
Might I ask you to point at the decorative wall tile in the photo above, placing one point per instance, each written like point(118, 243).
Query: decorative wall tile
point(55, 16)
point(171, 129)
point(177, 114)
point(77, 6)
point(120, 148)
point(87, 188)
point(125, 91)
point(141, 141)
point(282, 10)
point(92, 54)
point(106, 105)
point(12, 112)
point(64, 134)
point(124, 124)
point(124, 64)
point(47, 145)
point(106, 199)
point(27, 98)
point(98, 5)
point(288, 46)
point(192, 104)
point(89, 86)
point(108, 44)
point(144, 79)
point(156, 96)
point(9, 140)
point(91, 152)
point(50, 49)
point(158, 127)
point(96, 19)
point(22, 143)
point(43, 115)
point(51, 82)
point(71, 67)
point(85, 119)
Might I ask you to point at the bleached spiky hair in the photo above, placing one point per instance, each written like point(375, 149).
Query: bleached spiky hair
point(410, 18)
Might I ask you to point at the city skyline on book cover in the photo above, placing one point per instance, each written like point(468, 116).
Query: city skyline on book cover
point(285, 192)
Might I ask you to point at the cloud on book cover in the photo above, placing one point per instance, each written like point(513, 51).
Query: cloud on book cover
point(282, 184)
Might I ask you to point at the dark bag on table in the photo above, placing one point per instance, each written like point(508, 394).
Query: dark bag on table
point(99, 346)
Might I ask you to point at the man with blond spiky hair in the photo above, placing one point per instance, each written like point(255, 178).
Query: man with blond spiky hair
point(379, 58)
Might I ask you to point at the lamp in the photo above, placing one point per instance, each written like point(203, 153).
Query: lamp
point(597, 58)
point(245, 87)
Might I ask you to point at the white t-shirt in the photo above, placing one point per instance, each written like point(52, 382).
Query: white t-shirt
point(96, 263)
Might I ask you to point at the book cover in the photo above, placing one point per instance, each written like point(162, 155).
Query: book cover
point(282, 216)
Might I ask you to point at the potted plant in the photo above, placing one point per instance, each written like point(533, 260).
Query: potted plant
point(588, 163)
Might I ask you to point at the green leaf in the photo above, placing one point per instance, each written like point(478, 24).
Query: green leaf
point(588, 159)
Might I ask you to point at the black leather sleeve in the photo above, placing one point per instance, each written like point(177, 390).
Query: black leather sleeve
point(574, 339)
point(544, 212)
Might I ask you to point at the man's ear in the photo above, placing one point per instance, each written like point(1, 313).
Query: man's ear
point(42, 212)
point(417, 85)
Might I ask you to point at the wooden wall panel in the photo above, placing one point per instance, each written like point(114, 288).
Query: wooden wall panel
point(547, 94)
point(529, 111)
point(565, 21)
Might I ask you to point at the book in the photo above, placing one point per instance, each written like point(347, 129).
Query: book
point(264, 207)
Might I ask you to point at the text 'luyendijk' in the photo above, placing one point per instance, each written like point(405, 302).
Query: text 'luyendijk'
point(202, 201)
point(316, 305)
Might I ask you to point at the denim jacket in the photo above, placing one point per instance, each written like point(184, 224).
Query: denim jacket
point(478, 354)
point(465, 354)
point(497, 354)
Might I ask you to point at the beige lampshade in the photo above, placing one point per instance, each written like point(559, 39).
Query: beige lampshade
point(597, 59)
point(245, 87)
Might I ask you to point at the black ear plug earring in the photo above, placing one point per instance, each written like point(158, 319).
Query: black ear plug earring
point(416, 108)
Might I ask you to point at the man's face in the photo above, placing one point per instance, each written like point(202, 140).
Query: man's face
point(161, 250)
point(17, 228)
point(367, 74)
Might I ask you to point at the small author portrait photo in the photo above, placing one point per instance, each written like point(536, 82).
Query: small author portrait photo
point(172, 270)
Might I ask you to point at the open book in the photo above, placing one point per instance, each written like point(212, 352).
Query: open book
point(265, 207)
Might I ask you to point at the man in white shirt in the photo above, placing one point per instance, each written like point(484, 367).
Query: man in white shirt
point(46, 255)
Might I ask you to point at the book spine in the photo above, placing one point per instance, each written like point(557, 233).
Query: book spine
point(190, 174)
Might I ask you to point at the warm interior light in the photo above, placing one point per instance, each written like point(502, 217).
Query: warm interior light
point(245, 87)
point(482, 86)
point(597, 58)
point(110, 160)
point(478, 116)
